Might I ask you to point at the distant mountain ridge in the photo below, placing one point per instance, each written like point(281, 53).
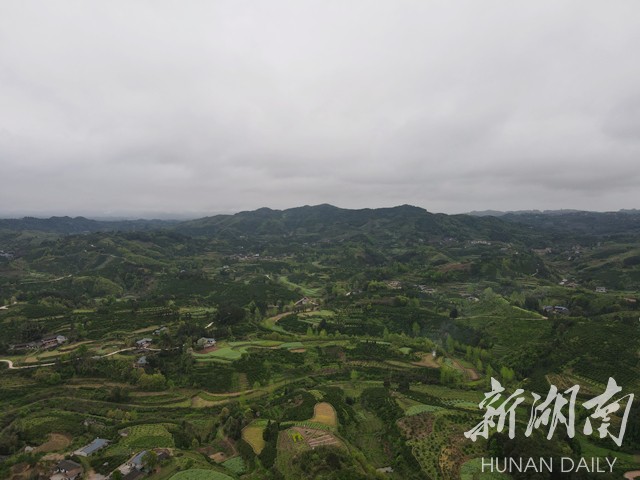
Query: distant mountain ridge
point(329, 221)
point(74, 225)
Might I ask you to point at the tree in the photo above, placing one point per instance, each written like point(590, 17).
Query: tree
point(415, 328)
point(154, 382)
point(229, 314)
point(531, 303)
point(450, 344)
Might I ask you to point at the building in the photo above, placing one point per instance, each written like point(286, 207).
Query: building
point(141, 362)
point(206, 342)
point(163, 454)
point(53, 342)
point(134, 475)
point(87, 450)
point(24, 346)
point(601, 289)
point(137, 461)
point(144, 342)
point(555, 309)
point(67, 470)
point(304, 303)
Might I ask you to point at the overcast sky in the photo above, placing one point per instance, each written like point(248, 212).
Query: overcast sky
point(155, 108)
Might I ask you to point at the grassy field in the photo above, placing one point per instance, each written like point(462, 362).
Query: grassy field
point(252, 434)
point(235, 465)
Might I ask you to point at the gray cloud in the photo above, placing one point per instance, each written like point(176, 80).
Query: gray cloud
point(170, 107)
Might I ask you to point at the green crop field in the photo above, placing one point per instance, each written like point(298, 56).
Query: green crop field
point(148, 436)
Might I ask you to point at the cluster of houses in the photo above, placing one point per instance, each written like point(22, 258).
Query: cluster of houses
point(132, 469)
point(44, 344)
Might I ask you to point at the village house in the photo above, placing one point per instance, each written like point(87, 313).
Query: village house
point(141, 362)
point(67, 470)
point(144, 342)
point(601, 289)
point(87, 450)
point(45, 343)
point(137, 460)
point(555, 309)
point(52, 342)
point(134, 475)
point(162, 454)
point(206, 342)
point(160, 330)
point(304, 303)
point(24, 346)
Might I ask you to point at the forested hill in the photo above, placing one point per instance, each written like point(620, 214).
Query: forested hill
point(329, 222)
point(591, 223)
point(74, 225)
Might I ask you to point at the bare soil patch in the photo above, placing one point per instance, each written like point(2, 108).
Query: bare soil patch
point(324, 412)
point(428, 361)
point(56, 441)
point(219, 457)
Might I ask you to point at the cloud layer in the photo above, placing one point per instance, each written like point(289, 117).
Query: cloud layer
point(152, 107)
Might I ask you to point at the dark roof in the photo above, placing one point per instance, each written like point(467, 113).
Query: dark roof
point(68, 465)
point(133, 475)
point(162, 454)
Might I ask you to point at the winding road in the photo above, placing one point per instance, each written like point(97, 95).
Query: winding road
point(13, 367)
